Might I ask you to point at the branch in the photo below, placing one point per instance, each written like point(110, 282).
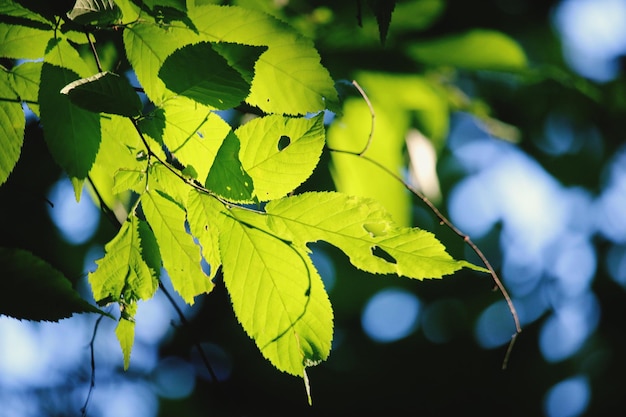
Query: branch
point(444, 221)
point(92, 383)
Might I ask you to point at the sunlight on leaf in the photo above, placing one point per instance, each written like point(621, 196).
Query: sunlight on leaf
point(202, 214)
point(227, 176)
point(181, 256)
point(277, 295)
point(23, 42)
point(25, 82)
point(277, 171)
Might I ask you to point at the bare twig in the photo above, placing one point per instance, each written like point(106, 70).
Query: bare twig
point(92, 383)
point(444, 221)
point(372, 113)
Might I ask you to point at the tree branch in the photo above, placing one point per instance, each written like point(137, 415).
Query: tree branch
point(445, 221)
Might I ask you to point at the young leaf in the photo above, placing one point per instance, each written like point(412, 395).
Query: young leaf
point(477, 50)
point(104, 92)
point(363, 230)
point(201, 74)
point(280, 153)
point(125, 332)
point(31, 289)
point(130, 267)
point(202, 214)
point(289, 78)
point(95, 12)
point(147, 46)
point(23, 42)
point(227, 177)
point(277, 296)
point(12, 125)
point(181, 256)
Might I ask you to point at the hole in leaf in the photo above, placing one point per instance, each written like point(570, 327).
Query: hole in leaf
point(283, 142)
point(383, 254)
point(375, 229)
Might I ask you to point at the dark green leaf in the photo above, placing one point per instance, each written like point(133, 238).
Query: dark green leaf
point(179, 5)
point(32, 289)
point(104, 92)
point(95, 12)
point(241, 57)
point(200, 73)
point(227, 176)
point(72, 134)
point(382, 9)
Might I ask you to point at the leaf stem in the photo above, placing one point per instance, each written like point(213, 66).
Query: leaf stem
point(92, 383)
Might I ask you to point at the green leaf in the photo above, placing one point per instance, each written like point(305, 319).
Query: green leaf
point(147, 46)
point(125, 332)
point(382, 10)
point(201, 74)
point(277, 296)
point(23, 42)
point(95, 12)
point(130, 268)
point(181, 256)
point(124, 180)
point(72, 134)
point(280, 153)
point(363, 230)
point(25, 82)
point(179, 5)
point(104, 92)
point(243, 58)
point(31, 289)
point(12, 125)
point(202, 214)
point(190, 131)
point(289, 78)
point(477, 49)
point(227, 176)
point(14, 9)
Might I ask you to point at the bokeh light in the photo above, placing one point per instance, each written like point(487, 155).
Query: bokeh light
point(390, 314)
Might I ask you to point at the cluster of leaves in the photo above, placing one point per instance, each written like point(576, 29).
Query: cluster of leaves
point(196, 188)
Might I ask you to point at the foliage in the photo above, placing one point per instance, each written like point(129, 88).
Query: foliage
point(198, 188)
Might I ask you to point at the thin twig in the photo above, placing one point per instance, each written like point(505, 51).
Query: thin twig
point(372, 113)
point(184, 321)
point(92, 384)
point(94, 52)
point(103, 206)
point(444, 220)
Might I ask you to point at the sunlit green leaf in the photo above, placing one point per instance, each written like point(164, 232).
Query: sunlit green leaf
point(289, 78)
point(278, 297)
point(12, 125)
point(191, 132)
point(32, 289)
point(227, 176)
point(104, 92)
point(243, 58)
point(147, 46)
point(181, 256)
point(125, 332)
point(477, 49)
point(25, 82)
point(363, 230)
point(202, 214)
point(280, 153)
point(23, 42)
point(130, 267)
point(95, 12)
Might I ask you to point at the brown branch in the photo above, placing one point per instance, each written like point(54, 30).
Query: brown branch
point(445, 221)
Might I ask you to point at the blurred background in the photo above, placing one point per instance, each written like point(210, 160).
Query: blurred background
point(509, 116)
